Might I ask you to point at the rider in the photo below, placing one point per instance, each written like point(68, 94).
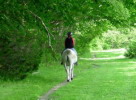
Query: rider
point(70, 43)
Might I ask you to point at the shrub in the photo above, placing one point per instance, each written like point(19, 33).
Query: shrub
point(19, 54)
point(131, 51)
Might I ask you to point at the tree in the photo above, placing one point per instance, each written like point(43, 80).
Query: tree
point(30, 27)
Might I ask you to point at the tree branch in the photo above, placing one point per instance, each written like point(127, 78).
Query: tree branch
point(48, 33)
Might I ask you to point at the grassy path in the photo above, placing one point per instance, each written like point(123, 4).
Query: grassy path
point(101, 79)
point(95, 79)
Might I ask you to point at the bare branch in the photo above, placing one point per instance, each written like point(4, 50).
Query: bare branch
point(48, 33)
point(49, 38)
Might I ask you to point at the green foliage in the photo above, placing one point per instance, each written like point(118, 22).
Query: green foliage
point(30, 27)
point(21, 43)
point(115, 38)
point(19, 54)
point(131, 51)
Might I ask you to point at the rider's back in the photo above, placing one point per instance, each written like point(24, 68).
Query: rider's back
point(69, 42)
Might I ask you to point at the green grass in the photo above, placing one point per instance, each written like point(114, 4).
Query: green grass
point(94, 80)
point(34, 85)
point(101, 80)
point(107, 54)
point(104, 54)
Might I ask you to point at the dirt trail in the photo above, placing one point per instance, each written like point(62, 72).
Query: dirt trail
point(46, 95)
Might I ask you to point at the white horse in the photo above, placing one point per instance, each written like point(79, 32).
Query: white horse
point(69, 57)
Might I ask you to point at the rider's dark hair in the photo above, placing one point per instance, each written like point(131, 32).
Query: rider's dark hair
point(69, 33)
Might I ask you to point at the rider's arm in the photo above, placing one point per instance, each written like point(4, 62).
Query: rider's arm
point(73, 40)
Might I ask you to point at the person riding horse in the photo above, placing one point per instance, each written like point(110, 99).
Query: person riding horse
point(70, 43)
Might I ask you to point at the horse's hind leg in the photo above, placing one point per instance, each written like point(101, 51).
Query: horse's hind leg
point(72, 70)
point(68, 72)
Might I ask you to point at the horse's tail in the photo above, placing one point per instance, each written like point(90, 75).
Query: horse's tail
point(68, 59)
point(66, 56)
point(68, 52)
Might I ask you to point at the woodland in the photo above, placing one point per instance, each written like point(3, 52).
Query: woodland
point(33, 31)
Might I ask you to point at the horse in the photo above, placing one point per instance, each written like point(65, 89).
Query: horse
point(69, 58)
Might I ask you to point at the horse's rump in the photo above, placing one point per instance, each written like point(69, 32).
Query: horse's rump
point(69, 56)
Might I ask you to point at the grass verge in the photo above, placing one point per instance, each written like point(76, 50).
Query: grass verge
point(101, 80)
point(34, 85)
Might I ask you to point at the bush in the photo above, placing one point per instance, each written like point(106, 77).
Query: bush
point(131, 51)
point(19, 54)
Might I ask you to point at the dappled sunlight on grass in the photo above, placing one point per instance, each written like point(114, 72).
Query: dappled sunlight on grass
point(132, 62)
point(108, 58)
point(112, 62)
point(112, 50)
point(128, 68)
point(129, 73)
point(103, 78)
point(104, 54)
